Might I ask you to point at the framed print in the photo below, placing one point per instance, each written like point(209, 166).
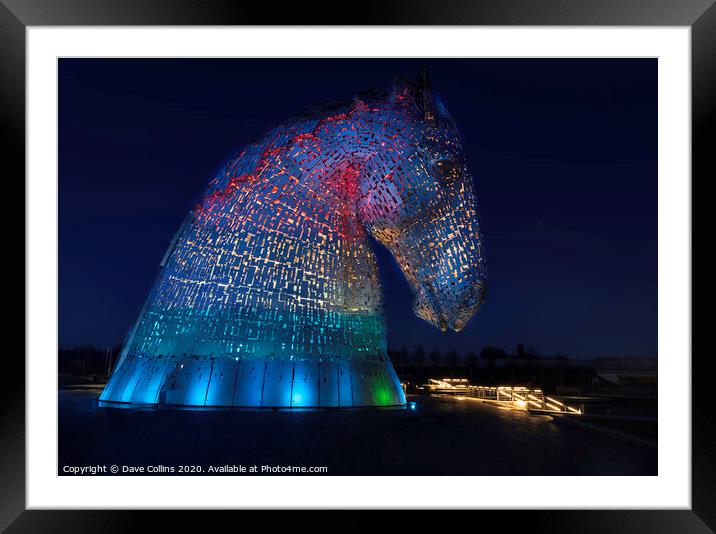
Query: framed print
point(439, 258)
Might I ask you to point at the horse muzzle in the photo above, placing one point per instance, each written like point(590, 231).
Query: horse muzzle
point(446, 310)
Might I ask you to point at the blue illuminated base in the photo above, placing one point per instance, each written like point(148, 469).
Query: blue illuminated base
point(212, 382)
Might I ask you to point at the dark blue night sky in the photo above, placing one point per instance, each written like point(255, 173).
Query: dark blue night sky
point(564, 153)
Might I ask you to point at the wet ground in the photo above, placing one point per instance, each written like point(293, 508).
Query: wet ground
point(441, 436)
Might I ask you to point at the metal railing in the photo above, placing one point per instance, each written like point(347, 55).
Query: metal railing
point(515, 397)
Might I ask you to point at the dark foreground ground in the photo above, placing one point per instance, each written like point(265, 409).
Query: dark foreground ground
point(441, 436)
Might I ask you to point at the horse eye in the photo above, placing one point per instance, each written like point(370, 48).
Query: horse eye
point(448, 168)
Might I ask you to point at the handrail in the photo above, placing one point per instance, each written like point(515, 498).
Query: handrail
point(515, 397)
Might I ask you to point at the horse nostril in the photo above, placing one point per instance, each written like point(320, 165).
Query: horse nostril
point(476, 295)
point(443, 324)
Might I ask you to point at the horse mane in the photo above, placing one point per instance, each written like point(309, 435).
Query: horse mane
point(284, 133)
point(305, 122)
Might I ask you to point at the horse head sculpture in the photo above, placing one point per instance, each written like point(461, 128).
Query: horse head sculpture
point(424, 211)
point(269, 294)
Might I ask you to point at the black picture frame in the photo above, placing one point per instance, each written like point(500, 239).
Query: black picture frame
point(699, 15)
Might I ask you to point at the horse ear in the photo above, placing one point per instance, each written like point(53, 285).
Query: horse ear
point(424, 98)
point(400, 84)
point(359, 104)
point(400, 91)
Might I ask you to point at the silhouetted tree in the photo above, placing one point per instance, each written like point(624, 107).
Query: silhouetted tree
point(419, 355)
point(85, 363)
point(453, 360)
point(492, 353)
point(472, 362)
point(394, 356)
point(435, 359)
point(403, 355)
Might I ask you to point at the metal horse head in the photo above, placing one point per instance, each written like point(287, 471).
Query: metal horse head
point(424, 211)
